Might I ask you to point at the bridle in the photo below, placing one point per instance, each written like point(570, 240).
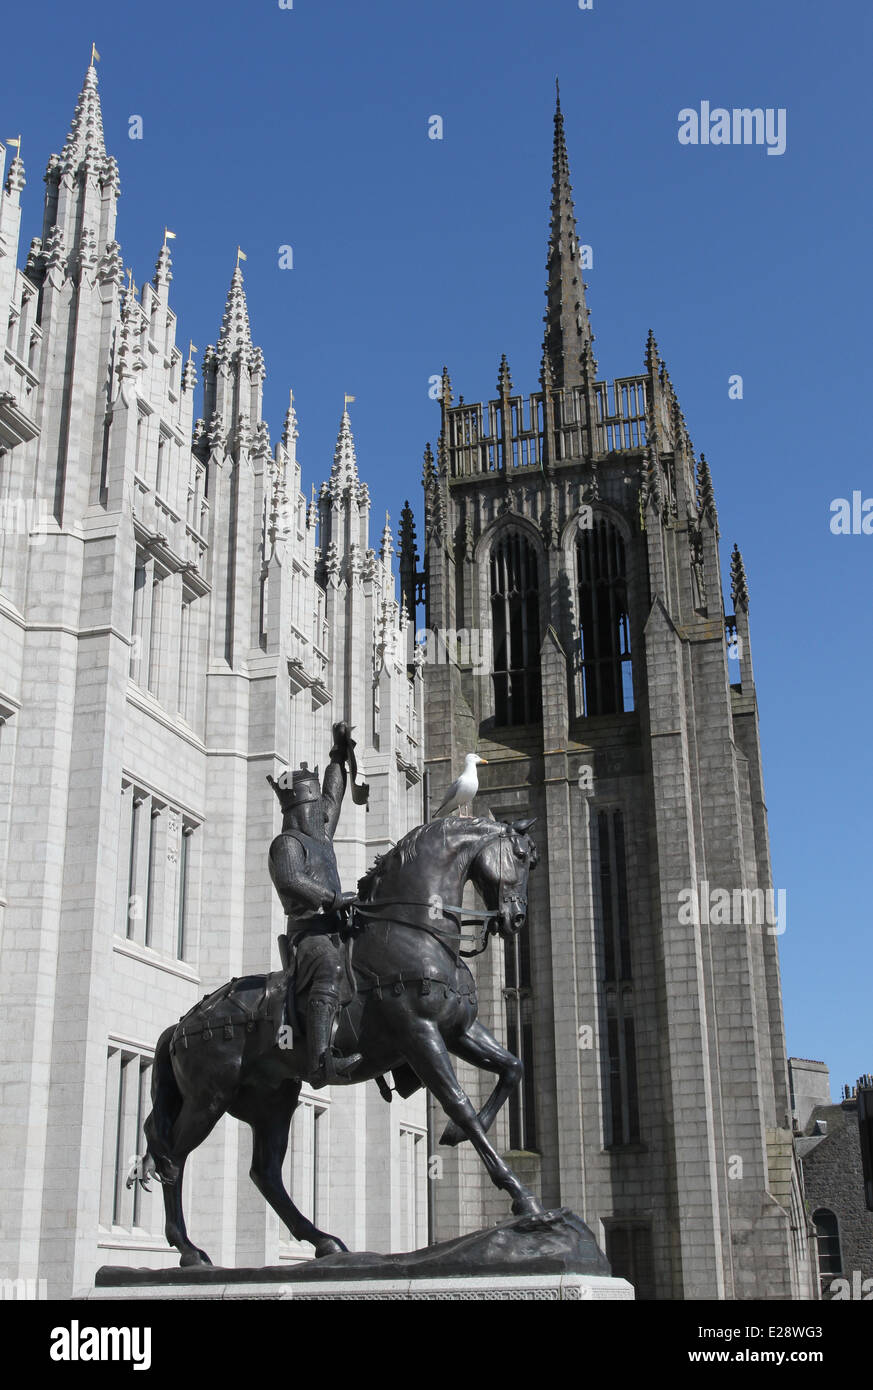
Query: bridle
point(485, 919)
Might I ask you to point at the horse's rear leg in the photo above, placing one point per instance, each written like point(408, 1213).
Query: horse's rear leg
point(190, 1129)
point(269, 1114)
point(482, 1049)
point(427, 1055)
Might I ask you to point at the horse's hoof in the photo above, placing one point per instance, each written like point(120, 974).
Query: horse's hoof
point(452, 1135)
point(330, 1245)
point(192, 1259)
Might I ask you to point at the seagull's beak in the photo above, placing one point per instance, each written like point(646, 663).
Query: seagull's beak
point(483, 760)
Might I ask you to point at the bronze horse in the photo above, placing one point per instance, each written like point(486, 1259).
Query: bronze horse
point(415, 1004)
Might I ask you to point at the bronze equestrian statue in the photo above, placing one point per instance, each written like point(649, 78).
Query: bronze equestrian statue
point(414, 1004)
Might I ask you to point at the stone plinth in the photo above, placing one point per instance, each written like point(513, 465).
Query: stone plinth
point(553, 1256)
point(556, 1288)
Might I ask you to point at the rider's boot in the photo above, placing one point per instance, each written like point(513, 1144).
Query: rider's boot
point(324, 1066)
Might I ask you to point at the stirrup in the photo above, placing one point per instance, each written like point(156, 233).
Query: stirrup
point(331, 1068)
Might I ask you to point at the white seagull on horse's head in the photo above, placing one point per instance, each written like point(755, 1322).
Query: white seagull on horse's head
point(462, 792)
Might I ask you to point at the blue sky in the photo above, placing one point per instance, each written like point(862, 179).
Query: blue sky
point(308, 127)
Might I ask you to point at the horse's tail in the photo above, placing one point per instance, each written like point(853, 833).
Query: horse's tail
point(166, 1104)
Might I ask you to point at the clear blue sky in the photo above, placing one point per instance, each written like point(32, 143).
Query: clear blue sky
point(308, 127)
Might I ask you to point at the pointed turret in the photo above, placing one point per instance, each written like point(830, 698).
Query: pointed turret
point(189, 371)
point(408, 551)
point(163, 271)
point(236, 332)
point(651, 358)
point(408, 579)
point(386, 547)
point(427, 470)
point(290, 431)
point(344, 473)
point(568, 329)
point(504, 381)
point(15, 179)
point(233, 370)
point(128, 355)
point(85, 140)
point(82, 184)
point(739, 585)
point(705, 491)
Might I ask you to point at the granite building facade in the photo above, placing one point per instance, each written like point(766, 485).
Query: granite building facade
point(176, 622)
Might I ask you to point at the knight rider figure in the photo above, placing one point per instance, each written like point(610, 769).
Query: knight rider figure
point(304, 871)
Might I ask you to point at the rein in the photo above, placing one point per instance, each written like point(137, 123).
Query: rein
point(463, 916)
point(447, 910)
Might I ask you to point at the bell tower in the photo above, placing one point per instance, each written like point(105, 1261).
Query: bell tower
point(578, 639)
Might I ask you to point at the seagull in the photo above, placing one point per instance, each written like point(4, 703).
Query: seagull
point(462, 792)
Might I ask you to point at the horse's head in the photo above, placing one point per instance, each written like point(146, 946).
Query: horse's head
point(500, 871)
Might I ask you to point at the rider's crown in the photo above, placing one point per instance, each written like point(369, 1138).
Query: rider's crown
point(294, 790)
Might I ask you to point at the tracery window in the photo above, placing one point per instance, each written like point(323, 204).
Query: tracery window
point(518, 1000)
point(604, 620)
point(515, 626)
point(621, 1107)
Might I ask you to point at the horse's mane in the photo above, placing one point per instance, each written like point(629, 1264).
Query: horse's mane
point(405, 851)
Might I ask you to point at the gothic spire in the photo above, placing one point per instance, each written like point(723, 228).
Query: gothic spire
point(652, 358)
point(427, 472)
point(739, 586)
point(344, 472)
point(163, 268)
point(290, 431)
point(85, 140)
point(15, 179)
point(504, 381)
point(408, 552)
point(705, 491)
point(236, 330)
point(567, 325)
point(386, 548)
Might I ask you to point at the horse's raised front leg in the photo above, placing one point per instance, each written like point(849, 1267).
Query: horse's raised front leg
point(481, 1049)
point(427, 1055)
point(269, 1114)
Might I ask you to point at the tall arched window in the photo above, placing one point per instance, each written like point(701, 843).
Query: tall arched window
point(604, 622)
point(515, 627)
point(827, 1234)
point(621, 1112)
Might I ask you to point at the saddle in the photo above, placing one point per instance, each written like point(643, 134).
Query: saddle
point(224, 1010)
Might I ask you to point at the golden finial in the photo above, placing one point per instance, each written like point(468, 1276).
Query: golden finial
point(95, 56)
point(240, 256)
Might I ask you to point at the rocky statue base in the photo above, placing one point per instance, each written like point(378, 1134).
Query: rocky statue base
point(553, 1257)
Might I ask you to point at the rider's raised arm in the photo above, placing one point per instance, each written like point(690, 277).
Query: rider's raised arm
point(333, 787)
